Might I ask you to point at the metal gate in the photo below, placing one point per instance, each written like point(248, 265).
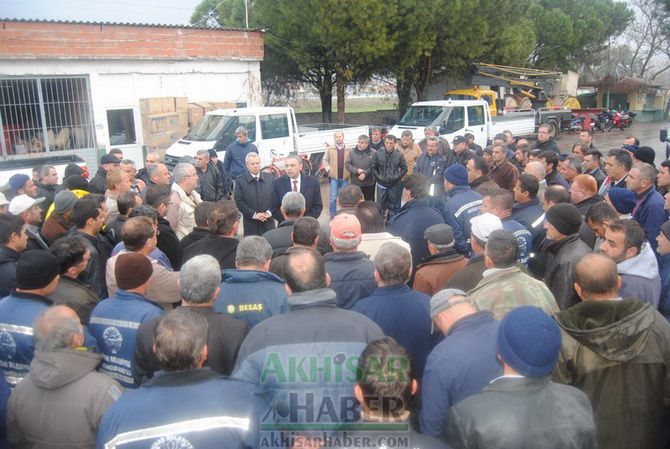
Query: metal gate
point(45, 114)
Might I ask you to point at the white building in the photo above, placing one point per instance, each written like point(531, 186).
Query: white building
point(74, 87)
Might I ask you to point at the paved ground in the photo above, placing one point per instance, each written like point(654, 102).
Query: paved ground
point(648, 133)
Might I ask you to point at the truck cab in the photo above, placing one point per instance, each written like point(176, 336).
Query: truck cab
point(475, 93)
point(271, 128)
point(451, 118)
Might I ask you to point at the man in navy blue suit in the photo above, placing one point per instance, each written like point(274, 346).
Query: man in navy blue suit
point(294, 181)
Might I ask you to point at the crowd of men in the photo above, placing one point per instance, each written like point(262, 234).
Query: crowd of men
point(456, 296)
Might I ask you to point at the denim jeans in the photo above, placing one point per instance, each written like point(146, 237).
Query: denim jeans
point(335, 186)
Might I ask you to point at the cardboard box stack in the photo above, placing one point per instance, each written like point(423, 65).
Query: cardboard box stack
point(164, 121)
point(167, 119)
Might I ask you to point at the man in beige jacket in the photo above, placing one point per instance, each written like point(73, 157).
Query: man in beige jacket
point(334, 163)
point(139, 236)
point(184, 198)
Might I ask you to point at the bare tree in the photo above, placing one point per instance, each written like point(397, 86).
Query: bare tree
point(648, 42)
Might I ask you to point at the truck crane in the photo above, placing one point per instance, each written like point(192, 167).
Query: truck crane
point(525, 88)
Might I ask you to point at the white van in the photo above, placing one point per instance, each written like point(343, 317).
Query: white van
point(274, 131)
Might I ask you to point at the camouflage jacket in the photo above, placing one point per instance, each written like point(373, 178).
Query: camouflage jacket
point(505, 289)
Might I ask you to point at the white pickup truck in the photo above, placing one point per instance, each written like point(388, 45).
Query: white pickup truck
point(274, 131)
point(457, 117)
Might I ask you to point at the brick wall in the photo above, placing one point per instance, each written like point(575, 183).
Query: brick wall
point(31, 40)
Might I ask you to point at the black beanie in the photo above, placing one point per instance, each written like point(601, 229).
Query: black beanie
point(565, 218)
point(35, 269)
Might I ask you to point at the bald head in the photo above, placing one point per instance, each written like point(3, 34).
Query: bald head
point(596, 278)
point(537, 169)
point(58, 328)
point(305, 270)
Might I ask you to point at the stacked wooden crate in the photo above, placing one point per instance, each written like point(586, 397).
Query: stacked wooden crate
point(164, 121)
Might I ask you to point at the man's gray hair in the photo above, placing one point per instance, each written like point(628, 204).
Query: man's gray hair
point(253, 250)
point(647, 171)
point(199, 279)
point(575, 163)
point(407, 133)
point(251, 155)
point(53, 330)
point(157, 154)
point(393, 263)
point(293, 204)
point(181, 171)
point(180, 338)
point(44, 170)
point(203, 153)
point(153, 169)
point(345, 244)
point(129, 162)
point(241, 130)
point(433, 139)
point(431, 128)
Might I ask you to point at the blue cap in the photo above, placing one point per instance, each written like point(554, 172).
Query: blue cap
point(457, 175)
point(529, 341)
point(18, 181)
point(622, 199)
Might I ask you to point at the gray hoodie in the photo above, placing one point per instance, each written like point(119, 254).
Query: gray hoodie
point(640, 277)
point(59, 404)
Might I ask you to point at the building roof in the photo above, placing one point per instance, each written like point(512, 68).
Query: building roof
point(154, 25)
point(624, 84)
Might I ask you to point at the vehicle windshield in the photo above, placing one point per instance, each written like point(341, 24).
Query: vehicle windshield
point(221, 127)
point(421, 115)
point(459, 97)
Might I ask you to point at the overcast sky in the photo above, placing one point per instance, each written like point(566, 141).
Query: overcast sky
point(170, 12)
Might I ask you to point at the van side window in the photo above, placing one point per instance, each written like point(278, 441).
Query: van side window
point(274, 126)
point(475, 115)
point(454, 122)
point(249, 122)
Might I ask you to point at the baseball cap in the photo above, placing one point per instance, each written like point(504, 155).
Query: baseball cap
point(483, 225)
point(459, 139)
point(440, 302)
point(345, 226)
point(22, 203)
point(439, 234)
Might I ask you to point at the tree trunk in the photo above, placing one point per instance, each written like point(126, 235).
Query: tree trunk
point(404, 90)
point(424, 78)
point(339, 82)
point(326, 94)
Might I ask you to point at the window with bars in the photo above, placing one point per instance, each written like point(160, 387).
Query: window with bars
point(45, 114)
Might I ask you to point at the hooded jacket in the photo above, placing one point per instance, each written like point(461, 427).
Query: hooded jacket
point(309, 349)
point(251, 295)
point(618, 353)
point(61, 402)
point(8, 259)
point(640, 277)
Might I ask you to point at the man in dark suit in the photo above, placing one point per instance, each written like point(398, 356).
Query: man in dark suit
point(294, 181)
point(253, 197)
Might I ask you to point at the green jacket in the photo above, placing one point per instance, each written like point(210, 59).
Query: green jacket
point(506, 289)
point(618, 353)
